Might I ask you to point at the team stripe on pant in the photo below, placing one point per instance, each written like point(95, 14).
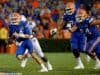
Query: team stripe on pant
point(94, 44)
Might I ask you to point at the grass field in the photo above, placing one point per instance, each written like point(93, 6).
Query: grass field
point(63, 64)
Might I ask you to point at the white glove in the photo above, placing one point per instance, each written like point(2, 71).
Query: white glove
point(53, 31)
point(69, 25)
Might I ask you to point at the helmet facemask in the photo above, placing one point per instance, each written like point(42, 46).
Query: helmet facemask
point(81, 15)
point(70, 8)
point(15, 19)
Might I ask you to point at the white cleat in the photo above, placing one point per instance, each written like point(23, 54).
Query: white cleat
point(49, 67)
point(43, 70)
point(97, 66)
point(23, 63)
point(79, 67)
point(88, 58)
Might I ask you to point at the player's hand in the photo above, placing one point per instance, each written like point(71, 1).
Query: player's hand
point(15, 34)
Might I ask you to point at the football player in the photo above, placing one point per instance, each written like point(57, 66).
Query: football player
point(87, 25)
point(20, 32)
point(77, 40)
point(37, 48)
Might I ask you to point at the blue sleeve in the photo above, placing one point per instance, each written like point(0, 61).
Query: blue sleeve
point(10, 31)
point(64, 17)
point(77, 24)
point(23, 23)
point(90, 19)
point(27, 30)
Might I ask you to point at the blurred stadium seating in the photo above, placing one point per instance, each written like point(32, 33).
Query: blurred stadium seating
point(46, 13)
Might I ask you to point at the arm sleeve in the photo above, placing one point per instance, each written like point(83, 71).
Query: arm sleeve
point(27, 30)
point(91, 19)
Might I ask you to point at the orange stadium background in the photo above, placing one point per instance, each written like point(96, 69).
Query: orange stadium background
point(12, 47)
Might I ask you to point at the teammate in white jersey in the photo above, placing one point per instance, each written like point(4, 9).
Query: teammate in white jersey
point(31, 24)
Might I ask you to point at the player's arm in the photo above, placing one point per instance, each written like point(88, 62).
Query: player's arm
point(95, 22)
point(61, 23)
point(26, 33)
point(21, 35)
point(72, 29)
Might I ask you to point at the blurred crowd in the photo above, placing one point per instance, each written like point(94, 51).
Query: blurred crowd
point(45, 13)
